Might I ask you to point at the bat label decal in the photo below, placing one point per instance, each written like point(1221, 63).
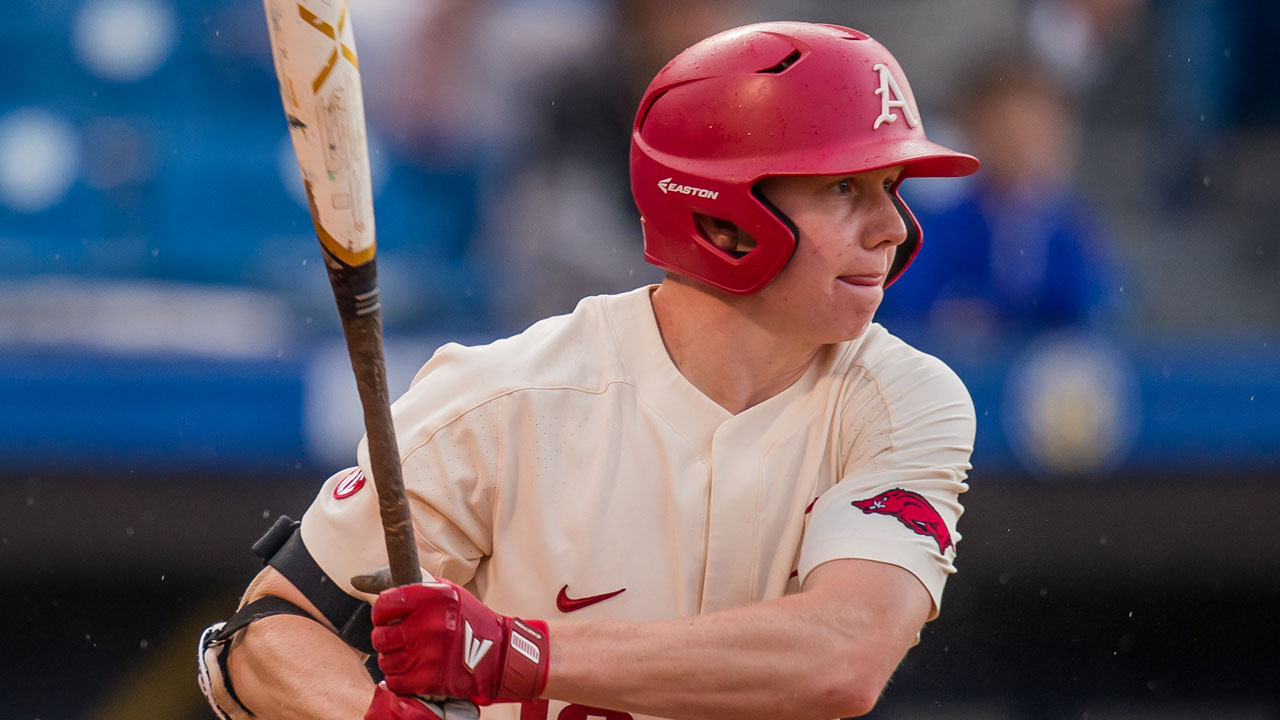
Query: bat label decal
point(313, 48)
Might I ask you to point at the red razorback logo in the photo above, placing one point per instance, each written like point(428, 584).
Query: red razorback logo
point(912, 510)
point(349, 485)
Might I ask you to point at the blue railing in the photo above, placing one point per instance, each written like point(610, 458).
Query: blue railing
point(1201, 407)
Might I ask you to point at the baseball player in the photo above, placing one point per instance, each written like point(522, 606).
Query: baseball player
point(728, 495)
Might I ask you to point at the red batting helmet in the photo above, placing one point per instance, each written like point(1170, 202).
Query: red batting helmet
point(775, 98)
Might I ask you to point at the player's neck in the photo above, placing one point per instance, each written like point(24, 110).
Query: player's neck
point(732, 360)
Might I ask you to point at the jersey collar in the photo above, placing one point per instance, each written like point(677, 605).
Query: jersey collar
point(659, 383)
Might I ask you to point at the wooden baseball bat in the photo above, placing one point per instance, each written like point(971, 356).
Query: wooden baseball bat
point(319, 74)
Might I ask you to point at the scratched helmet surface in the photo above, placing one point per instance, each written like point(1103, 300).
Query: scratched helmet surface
point(776, 98)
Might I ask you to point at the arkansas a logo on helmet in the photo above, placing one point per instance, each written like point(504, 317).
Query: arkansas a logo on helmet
point(891, 98)
point(913, 511)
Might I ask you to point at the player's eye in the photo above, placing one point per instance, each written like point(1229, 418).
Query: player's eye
point(843, 187)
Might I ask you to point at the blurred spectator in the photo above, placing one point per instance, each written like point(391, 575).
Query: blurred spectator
point(1075, 40)
point(1016, 250)
point(563, 224)
point(481, 90)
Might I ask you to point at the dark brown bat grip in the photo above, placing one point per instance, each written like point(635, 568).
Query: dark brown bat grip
point(356, 291)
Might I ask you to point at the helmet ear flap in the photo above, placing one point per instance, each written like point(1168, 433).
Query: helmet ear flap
point(911, 246)
point(673, 241)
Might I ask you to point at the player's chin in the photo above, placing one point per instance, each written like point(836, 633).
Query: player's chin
point(849, 323)
point(854, 323)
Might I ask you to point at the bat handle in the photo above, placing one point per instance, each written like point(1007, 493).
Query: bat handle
point(356, 292)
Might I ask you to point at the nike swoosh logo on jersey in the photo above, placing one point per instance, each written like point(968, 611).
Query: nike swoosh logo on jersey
point(567, 604)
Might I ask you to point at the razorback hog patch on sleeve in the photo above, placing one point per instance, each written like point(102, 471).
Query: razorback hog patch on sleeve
point(913, 511)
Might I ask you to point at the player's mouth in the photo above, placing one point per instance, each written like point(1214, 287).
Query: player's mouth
point(876, 280)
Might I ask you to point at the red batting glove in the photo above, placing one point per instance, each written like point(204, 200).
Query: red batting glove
point(387, 705)
point(438, 639)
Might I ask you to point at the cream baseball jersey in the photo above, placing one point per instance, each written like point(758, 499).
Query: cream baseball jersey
point(572, 471)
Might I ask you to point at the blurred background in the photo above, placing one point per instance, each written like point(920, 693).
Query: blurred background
point(172, 375)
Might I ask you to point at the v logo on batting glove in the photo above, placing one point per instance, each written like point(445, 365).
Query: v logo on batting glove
point(473, 650)
point(438, 639)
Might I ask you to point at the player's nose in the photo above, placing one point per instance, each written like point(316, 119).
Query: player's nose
point(885, 225)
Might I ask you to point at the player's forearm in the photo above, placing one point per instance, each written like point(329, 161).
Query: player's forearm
point(291, 668)
point(789, 658)
point(286, 667)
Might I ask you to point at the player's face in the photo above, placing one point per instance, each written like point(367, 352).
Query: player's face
point(849, 230)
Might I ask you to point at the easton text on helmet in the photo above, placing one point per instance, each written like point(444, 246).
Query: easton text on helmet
point(667, 186)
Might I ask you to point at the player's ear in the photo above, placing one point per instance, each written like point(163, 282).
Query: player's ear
point(725, 235)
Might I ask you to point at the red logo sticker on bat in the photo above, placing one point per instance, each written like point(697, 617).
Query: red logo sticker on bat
point(912, 510)
point(350, 485)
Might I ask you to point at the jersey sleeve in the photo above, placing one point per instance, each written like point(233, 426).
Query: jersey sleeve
point(905, 440)
point(450, 481)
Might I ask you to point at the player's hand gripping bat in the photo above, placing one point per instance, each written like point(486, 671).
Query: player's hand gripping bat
point(315, 60)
